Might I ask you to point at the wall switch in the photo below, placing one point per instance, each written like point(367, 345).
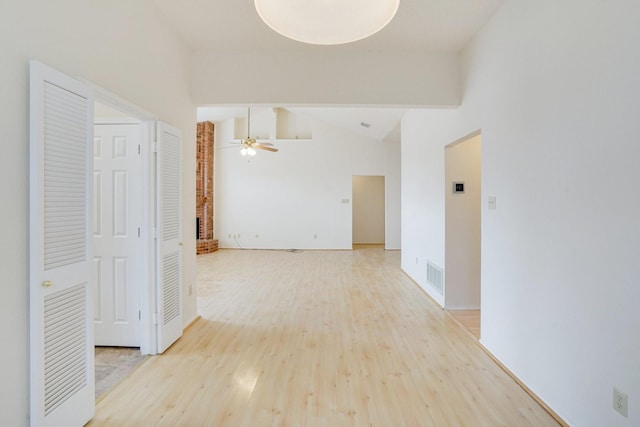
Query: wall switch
point(257, 236)
point(315, 236)
point(492, 202)
point(345, 201)
point(620, 401)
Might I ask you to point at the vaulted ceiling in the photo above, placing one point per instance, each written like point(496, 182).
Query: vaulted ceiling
point(425, 26)
point(419, 25)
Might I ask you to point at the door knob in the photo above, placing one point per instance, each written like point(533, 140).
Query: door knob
point(46, 284)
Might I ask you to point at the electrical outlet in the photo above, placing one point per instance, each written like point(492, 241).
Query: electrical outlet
point(492, 202)
point(620, 402)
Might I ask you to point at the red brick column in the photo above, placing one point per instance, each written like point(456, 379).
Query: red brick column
point(204, 188)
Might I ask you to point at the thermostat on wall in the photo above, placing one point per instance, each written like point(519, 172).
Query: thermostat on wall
point(458, 187)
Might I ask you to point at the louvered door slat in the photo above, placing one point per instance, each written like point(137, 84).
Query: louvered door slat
point(171, 288)
point(65, 368)
point(64, 130)
point(61, 377)
point(171, 187)
point(170, 221)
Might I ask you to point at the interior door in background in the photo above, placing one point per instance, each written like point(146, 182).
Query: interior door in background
point(368, 210)
point(117, 204)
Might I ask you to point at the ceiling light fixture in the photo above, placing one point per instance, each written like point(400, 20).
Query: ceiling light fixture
point(249, 144)
point(327, 22)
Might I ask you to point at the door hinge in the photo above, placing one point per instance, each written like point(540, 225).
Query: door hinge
point(138, 231)
point(139, 315)
point(138, 149)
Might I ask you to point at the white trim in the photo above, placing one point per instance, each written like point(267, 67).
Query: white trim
point(110, 99)
point(116, 121)
point(148, 336)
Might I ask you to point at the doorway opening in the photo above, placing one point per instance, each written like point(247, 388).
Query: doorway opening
point(62, 278)
point(463, 163)
point(368, 210)
point(119, 252)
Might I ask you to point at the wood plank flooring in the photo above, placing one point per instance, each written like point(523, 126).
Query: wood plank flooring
point(469, 319)
point(318, 338)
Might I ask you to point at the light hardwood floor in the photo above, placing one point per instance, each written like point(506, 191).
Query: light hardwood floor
point(469, 319)
point(318, 338)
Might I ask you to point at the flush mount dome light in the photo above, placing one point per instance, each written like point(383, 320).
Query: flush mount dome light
point(327, 22)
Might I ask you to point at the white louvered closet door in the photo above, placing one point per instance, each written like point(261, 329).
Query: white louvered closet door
point(169, 211)
point(61, 336)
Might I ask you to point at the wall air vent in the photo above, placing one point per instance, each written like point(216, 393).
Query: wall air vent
point(435, 277)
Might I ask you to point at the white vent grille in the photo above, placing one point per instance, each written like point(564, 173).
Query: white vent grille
point(65, 334)
point(435, 277)
point(170, 187)
point(65, 174)
point(170, 287)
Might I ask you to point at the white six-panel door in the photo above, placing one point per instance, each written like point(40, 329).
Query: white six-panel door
point(116, 222)
point(61, 327)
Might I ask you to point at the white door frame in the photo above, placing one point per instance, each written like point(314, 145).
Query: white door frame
point(148, 294)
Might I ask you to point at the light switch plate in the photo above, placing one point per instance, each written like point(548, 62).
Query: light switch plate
point(492, 202)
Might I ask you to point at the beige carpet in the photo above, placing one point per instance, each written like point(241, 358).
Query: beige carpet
point(113, 364)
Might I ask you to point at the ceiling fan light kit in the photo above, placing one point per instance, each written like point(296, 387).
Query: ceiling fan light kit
point(248, 151)
point(249, 144)
point(327, 22)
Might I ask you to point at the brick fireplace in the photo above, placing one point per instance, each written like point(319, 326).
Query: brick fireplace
point(205, 242)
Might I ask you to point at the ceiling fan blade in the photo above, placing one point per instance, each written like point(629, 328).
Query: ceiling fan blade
point(268, 144)
point(262, 147)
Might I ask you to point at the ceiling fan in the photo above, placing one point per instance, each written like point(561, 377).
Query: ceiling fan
point(249, 144)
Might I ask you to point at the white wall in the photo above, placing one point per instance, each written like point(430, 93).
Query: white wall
point(368, 209)
point(326, 76)
point(554, 87)
point(293, 198)
point(423, 192)
point(462, 225)
point(392, 194)
point(119, 45)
